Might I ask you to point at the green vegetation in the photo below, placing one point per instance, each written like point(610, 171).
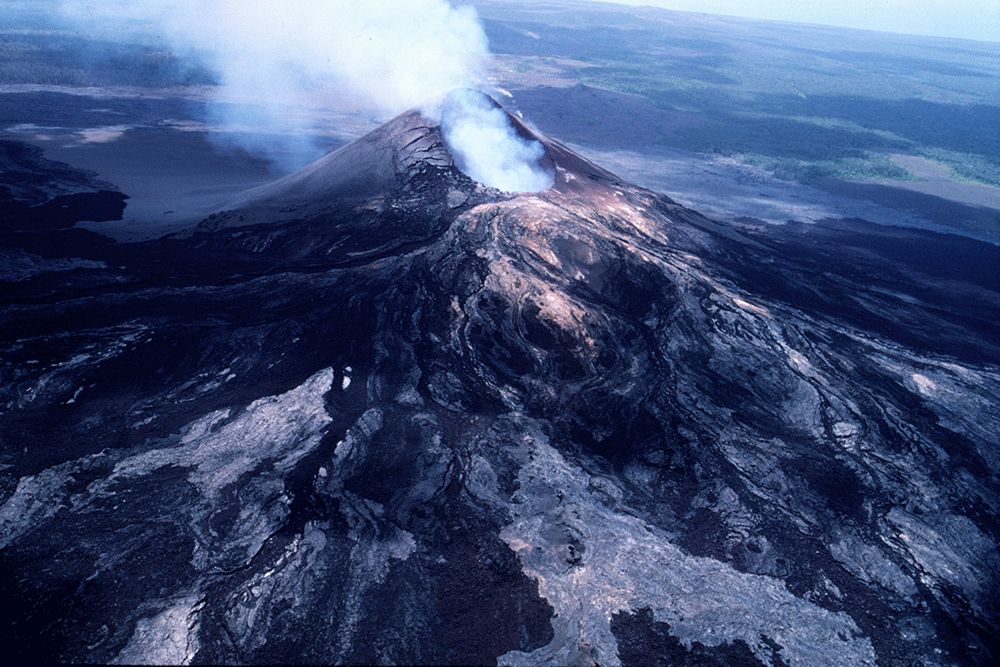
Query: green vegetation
point(974, 168)
point(801, 132)
point(805, 103)
point(871, 166)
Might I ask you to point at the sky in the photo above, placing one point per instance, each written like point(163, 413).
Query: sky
point(966, 19)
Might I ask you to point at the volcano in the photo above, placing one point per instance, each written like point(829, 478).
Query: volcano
point(379, 413)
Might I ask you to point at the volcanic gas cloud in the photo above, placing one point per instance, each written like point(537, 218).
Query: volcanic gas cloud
point(277, 62)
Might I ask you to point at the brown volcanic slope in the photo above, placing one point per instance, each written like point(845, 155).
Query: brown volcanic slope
point(376, 412)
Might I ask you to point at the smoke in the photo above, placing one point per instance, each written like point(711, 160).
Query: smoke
point(487, 148)
point(277, 62)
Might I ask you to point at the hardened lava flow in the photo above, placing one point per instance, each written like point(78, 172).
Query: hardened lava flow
point(377, 412)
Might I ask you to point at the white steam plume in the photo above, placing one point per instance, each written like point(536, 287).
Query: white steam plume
point(278, 58)
point(487, 148)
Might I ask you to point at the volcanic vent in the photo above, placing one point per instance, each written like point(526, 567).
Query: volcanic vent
point(379, 412)
point(491, 147)
point(400, 184)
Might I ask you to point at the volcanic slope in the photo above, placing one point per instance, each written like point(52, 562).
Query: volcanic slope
point(378, 413)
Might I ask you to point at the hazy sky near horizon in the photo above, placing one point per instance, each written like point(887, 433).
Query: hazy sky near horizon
point(967, 19)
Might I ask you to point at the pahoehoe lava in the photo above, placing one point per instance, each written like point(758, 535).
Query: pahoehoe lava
point(376, 412)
